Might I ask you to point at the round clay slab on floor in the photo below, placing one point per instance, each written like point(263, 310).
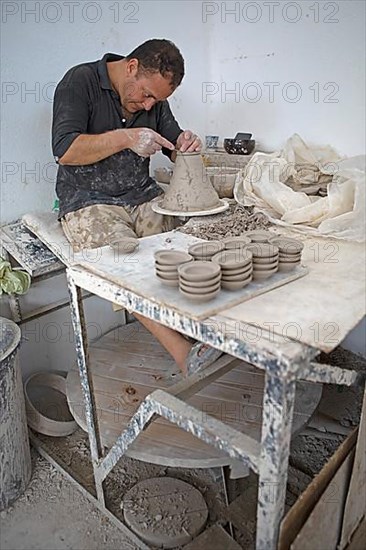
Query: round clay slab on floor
point(165, 512)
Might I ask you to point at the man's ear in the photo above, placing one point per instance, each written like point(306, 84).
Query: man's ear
point(132, 67)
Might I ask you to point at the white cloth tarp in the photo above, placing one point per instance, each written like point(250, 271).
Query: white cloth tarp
point(341, 214)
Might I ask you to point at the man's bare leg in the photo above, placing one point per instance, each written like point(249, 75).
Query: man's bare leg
point(172, 341)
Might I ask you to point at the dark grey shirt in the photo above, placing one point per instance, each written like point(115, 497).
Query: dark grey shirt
point(85, 103)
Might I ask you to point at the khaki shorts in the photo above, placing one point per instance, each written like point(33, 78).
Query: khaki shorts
point(102, 224)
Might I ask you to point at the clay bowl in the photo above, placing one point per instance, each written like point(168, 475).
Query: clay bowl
point(201, 284)
point(258, 236)
point(167, 275)
point(288, 245)
point(264, 261)
point(286, 259)
point(265, 274)
point(200, 298)
point(265, 267)
point(46, 405)
point(241, 277)
point(172, 257)
point(233, 259)
point(236, 242)
point(124, 246)
point(239, 146)
point(240, 271)
point(262, 250)
point(205, 251)
point(223, 182)
point(168, 282)
point(287, 266)
point(194, 290)
point(198, 271)
point(236, 285)
point(169, 269)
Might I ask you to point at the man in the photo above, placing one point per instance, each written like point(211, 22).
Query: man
point(109, 117)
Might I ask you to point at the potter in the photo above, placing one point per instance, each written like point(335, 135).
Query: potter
point(109, 117)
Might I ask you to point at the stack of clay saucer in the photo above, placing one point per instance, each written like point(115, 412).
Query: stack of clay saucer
point(236, 268)
point(205, 250)
point(290, 252)
point(233, 243)
point(258, 236)
point(199, 281)
point(265, 260)
point(167, 263)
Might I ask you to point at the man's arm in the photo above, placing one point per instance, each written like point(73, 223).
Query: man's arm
point(88, 149)
point(71, 143)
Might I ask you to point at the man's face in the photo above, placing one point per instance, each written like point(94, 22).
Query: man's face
point(141, 90)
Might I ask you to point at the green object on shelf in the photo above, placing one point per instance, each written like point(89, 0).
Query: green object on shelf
point(13, 281)
point(56, 206)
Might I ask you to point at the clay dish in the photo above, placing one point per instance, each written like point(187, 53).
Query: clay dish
point(287, 245)
point(293, 257)
point(201, 284)
point(205, 250)
point(172, 257)
point(199, 271)
point(167, 276)
point(262, 250)
point(239, 271)
point(262, 275)
point(200, 298)
point(265, 267)
point(168, 282)
point(166, 268)
point(258, 236)
point(287, 259)
point(194, 290)
point(233, 259)
point(236, 285)
point(287, 266)
point(235, 242)
point(241, 277)
point(267, 260)
point(124, 246)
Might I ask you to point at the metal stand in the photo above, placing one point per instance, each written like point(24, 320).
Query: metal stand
point(269, 458)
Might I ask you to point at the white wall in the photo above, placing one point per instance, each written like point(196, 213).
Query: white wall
point(226, 50)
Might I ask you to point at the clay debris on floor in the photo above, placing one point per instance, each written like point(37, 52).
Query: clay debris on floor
point(53, 514)
point(231, 223)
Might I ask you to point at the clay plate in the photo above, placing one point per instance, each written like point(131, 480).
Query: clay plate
point(262, 250)
point(194, 290)
point(233, 259)
point(199, 271)
point(206, 249)
point(287, 245)
point(201, 284)
point(235, 285)
point(235, 242)
point(290, 257)
point(224, 205)
point(124, 246)
point(168, 282)
point(200, 298)
point(287, 266)
point(257, 236)
point(172, 257)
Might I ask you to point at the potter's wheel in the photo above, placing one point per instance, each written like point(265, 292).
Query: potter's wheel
point(127, 364)
point(224, 205)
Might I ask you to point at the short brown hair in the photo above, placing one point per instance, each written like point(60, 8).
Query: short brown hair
point(159, 55)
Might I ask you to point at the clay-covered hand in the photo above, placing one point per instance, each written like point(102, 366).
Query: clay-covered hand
point(188, 142)
point(146, 142)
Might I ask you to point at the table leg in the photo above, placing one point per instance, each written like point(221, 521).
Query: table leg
point(278, 406)
point(81, 341)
